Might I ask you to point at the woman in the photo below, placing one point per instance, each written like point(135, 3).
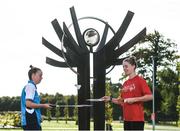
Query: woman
point(30, 101)
point(135, 91)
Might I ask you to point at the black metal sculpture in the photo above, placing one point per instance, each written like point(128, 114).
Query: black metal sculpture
point(77, 55)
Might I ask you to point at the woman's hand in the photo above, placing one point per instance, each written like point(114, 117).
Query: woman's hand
point(130, 100)
point(115, 101)
point(106, 98)
point(47, 106)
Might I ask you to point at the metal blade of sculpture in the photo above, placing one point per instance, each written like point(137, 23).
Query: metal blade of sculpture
point(77, 54)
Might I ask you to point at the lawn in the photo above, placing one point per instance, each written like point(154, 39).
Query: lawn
point(61, 125)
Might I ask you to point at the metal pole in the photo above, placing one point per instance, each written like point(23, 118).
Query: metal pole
point(153, 87)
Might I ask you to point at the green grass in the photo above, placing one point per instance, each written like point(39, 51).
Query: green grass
point(61, 125)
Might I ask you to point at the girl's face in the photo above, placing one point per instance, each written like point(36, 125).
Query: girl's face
point(128, 68)
point(37, 77)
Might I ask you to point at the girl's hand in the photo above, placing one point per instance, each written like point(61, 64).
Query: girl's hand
point(106, 98)
point(130, 100)
point(115, 101)
point(47, 106)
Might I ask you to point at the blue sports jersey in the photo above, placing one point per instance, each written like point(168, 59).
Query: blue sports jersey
point(36, 100)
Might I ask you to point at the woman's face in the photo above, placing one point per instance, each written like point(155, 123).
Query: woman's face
point(37, 77)
point(128, 68)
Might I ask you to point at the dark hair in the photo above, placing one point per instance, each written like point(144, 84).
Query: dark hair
point(131, 60)
point(33, 70)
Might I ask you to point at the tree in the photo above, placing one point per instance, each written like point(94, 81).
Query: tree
point(154, 44)
point(48, 113)
point(178, 101)
point(66, 113)
point(57, 111)
point(108, 107)
point(117, 110)
point(169, 92)
point(71, 101)
point(164, 52)
point(76, 112)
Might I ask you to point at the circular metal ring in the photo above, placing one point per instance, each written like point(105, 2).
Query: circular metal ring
point(62, 41)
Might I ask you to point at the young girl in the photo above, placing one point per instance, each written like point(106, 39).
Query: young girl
point(30, 101)
point(135, 91)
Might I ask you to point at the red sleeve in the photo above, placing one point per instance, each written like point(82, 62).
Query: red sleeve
point(145, 88)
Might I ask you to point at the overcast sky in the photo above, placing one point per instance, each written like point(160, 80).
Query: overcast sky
point(23, 23)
